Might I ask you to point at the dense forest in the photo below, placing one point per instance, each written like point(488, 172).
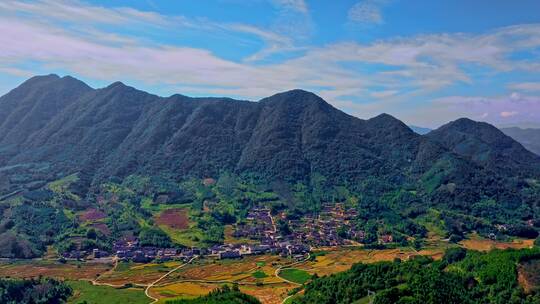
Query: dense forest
point(57, 214)
point(460, 277)
point(33, 291)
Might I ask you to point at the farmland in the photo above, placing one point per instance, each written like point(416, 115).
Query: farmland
point(174, 218)
point(295, 275)
point(86, 292)
point(270, 278)
point(481, 244)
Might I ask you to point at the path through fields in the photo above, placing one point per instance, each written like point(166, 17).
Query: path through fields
point(147, 290)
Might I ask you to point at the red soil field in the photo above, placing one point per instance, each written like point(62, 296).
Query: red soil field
point(101, 227)
point(92, 215)
point(174, 218)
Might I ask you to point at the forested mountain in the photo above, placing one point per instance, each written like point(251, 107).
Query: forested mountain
point(292, 148)
point(529, 138)
point(486, 146)
point(119, 130)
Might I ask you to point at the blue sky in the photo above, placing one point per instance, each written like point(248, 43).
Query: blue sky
point(425, 62)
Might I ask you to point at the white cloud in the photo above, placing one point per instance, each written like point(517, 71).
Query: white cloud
point(526, 86)
point(384, 94)
point(296, 5)
point(414, 66)
point(498, 110)
point(367, 11)
point(505, 114)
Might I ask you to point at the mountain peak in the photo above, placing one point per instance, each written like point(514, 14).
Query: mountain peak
point(116, 84)
point(296, 94)
point(40, 79)
point(297, 99)
point(386, 120)
point(484, 144)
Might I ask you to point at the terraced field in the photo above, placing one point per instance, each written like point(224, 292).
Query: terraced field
point(265, 277)
point(482, 244)
point(86, 292)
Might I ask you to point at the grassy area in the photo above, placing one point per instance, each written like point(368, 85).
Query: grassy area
point(295, 275)
point(433, 223)
point(85, 292)
point(259, 274)
point(156, 208)
point(189, 237)
point(61, 185)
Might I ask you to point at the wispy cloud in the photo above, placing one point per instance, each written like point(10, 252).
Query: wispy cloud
point(501, 110)
point(505, 114)
point(341, 72)
point(367, 11)
point(526, 86)
point(296, 5)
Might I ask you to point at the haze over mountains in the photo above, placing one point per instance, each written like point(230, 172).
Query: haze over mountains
point(529, 137)
point(118, 130)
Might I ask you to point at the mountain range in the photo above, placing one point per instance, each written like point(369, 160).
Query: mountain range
point(529, 137)
point(59, 125)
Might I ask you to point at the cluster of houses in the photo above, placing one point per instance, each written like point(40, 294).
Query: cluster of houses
point(333, 226)
point(128, 249)
point(259, 226)
point(82, 254)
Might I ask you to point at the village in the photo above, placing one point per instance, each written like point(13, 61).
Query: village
point(331, 227)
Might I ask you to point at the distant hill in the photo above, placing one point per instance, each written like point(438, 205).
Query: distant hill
point(529, 138)
point(486, 146)
point(420, 130)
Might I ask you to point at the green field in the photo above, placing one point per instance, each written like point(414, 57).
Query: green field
point(259, 274)
point(85, 292)
point(295, 275)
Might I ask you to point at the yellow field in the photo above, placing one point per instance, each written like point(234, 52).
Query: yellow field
point(268, 294)
point(481, 244)
point(72, 271)
point(204, 275)
point(136, 273)
point(342, 259)
point(184, 290)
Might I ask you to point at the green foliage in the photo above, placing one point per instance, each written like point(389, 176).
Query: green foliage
point(85, 292)
point(259, 274)
point(295, 275)
point(462, 277)
point(154, 237)
point(453, 255)
point(33, 291)
point(223, 295)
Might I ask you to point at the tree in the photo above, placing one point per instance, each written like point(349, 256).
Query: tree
point(91, 234)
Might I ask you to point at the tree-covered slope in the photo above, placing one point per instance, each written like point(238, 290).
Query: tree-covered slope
point(460, 277)
point(293, 136)
point(487, 146)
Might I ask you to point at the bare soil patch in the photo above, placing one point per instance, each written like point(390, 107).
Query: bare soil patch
point(174, 218)
point(529, 275)
point(487, 245)
point(92, 215)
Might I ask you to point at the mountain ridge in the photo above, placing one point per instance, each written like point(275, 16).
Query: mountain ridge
point(290, 136)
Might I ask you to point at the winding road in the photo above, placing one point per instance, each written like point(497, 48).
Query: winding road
point(147, 290)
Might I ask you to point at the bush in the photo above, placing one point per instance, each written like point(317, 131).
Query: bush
point(453, 255)
point(154, 237)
